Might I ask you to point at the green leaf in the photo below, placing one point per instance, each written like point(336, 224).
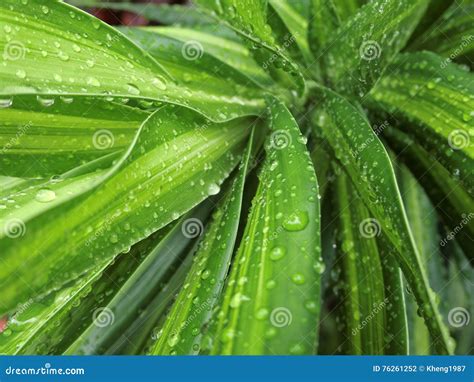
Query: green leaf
point(249, 19)
point(178, 159)
point(423, 223)
point(326, 17)
point(182, 331)
point(69, 52)
point(39, 141)
point(451, 200)
point(434, 101)
point(50, 325)
point(365, 43)
point(366, 162)
point(396, 325)
point(271, 302)
point(450, 36)
point(294, 29)
point(140, 288)
point(176, 48)
point(363, 294)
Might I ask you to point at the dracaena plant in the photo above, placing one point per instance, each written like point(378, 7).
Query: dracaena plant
point(251, 177)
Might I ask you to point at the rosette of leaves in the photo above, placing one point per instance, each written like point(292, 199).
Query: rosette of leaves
point(250, 177)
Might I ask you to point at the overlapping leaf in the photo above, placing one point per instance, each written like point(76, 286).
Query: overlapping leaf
point(43, 141)
point(435, 102)
point(53, 49)
point(366, 42)
point(271, 302)
point(177, 160)
point(366, 162)
point(182, 331)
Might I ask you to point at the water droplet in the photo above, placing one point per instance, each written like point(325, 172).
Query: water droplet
point(298, 278)
point(277, 253)
point(45, 195)
point(159, 83)
point(45, 101)
point(4, 103)
point(133, 89)
point(92, 81)
point(20, 73)
point(213, 189)
point(45, 9)
point(173, 340)
point(297, 221)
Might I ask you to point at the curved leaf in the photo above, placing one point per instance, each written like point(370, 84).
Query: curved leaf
point(366, 162)
point(363, 294)
point(452, 35)
point(249, 19)
point(326, 17)
point(435, 105)
point(53, 49)
point(295, 27)
point(140, 288)
point(181, 333)
point(34, 329)
point(39, 141)
point(451, 200)
point(271, 302)
point(171, 167)
point(365, 43)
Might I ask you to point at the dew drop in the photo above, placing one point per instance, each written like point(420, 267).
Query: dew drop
point(213, 189)
point(297, 221)
point(45, 195)
point(277, 253)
